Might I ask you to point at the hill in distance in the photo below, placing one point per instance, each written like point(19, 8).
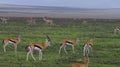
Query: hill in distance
point(57, 12)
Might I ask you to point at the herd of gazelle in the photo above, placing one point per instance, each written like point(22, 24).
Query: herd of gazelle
point(39, 46)
point(33, 46)
point(87, 51)
point(46, 21)
point(30, 20)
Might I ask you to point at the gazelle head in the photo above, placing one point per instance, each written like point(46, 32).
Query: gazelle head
point(48, 38)
point(86, 61)
point(19, 37)
point(78, 39)
point(48, 41)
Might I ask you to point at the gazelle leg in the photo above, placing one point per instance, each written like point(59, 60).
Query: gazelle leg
point(118, 31)
point(28, 55)
point(115, 31)
point(73, 48)
point(65, 49)
point(84, 50)
point(15, 46)
point(4, 47)
point(5, 22)
point(32, 55)
point(60, 49)
point(90, 50)
point(40, 55)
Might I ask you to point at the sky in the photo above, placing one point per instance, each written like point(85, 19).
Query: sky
point(67, 3)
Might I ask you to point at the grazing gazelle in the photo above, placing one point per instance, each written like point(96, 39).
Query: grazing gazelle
point(38, 47)
point(48, 21)
point(88, 47)
point(85, 64)
point(31, 21)
point(14, 41)
point(71, 42)
point(4, 20)
point(117, 30)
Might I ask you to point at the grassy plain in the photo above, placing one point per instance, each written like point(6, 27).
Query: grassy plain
point(106, 48)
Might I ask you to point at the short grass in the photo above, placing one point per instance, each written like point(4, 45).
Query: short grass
point(106, 48)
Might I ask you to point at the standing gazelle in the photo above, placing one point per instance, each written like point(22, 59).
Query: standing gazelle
point(85, 64)
point(31, 21)
point(117, 30)
point(14, 41)
point(88, 47)
point(38, 47)
point(48, 21)
point(71, 42)
point(4, 20)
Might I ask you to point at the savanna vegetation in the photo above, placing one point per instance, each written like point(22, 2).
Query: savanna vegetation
point(106, 48)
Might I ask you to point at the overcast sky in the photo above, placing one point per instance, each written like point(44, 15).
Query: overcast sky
point(67, 3)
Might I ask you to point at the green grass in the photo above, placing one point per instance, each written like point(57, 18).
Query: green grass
point(106, 48)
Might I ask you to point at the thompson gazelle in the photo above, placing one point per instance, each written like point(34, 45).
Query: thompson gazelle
point(48, 21)
point(14, 41)
point(85, 64)
point(4, 20)
point(31, 21)
point(117, 30)
point(38, 47)
point(71, 42)
point(88, 47)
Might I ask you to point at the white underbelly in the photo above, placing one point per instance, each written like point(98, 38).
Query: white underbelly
point(11, 42)
point(36, 48)
point(69, 44)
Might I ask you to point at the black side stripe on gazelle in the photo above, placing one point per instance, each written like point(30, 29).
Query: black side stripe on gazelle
point(38, 46)
point(69, 42)
point(12, 41)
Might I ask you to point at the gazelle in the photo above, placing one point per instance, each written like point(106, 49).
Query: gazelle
point(117, 30)
point(31, 21)
point(48, 21)
point(14, 41)
point(88, 47)
point(38, 47)
point(71, 42)
point(84, 22)
point(85, 64)
point(4, 20)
